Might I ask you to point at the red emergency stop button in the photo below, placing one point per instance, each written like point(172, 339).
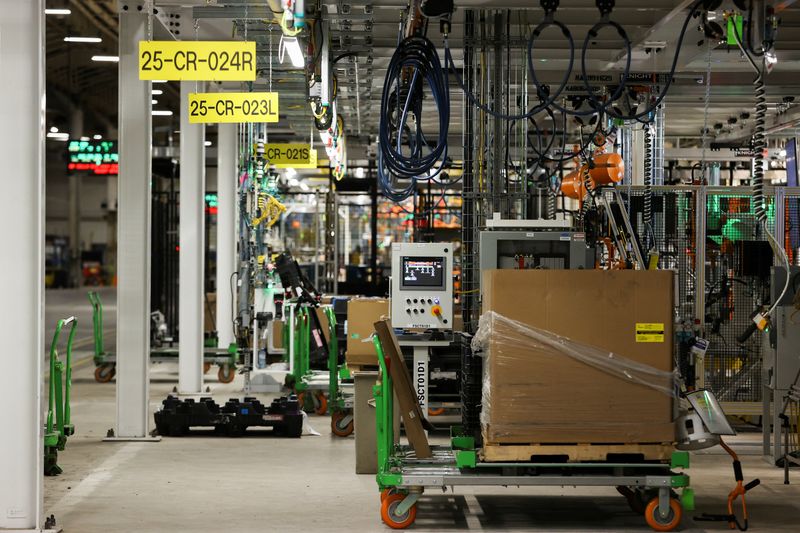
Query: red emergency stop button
point(437, 311)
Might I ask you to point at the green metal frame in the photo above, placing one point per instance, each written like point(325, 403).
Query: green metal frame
point(58, 425)
point(465, 452)
point(102, 357)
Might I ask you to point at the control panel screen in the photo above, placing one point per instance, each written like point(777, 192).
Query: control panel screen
point(423, 272)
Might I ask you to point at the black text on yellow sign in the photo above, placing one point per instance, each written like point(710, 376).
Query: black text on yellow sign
point(649, 332)
point(197, 60)
point(233, 107)
point(284, 155)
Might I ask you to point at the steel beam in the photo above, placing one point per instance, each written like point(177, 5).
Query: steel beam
point(133, 237)
point(226, 230)
point(21, 316)
point(191, 262)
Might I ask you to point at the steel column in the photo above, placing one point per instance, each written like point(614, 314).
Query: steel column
point(191, 265)
point(226, 230)
point(21, 446)
point(133, 226)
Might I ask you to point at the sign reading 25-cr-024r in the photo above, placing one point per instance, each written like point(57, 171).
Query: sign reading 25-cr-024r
point(197, 60)
point(233, 107)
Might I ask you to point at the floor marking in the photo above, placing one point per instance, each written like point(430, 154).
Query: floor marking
point(96, 478)
point(474, 512)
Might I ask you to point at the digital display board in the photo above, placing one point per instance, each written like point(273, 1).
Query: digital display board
point(423, 272)
point(97, 157)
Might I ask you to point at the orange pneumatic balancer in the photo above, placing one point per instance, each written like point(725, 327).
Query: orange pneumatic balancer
point(607, 169)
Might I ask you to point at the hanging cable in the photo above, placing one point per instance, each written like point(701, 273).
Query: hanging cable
point(402, 100)
point(647, 214)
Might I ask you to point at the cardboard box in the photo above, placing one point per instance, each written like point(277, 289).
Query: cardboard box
point(209, 312)
point(534, 393)
point(277, 334)
point(414, 420)
point(362, 313)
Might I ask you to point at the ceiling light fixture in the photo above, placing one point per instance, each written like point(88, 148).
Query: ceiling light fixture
point(207, 143)
point(58, 136)
point(56, 11)
point(97, 137)
point(159, 81)
point(108, 59)
point(83, 40)
point(53, 129)
point(154, 102)
point(157, 92)
point(161, 113)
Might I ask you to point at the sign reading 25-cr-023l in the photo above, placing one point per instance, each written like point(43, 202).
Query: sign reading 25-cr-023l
point(233, 107)
point(197, 60)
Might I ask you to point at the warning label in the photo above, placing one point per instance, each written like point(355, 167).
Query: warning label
point(649, 332)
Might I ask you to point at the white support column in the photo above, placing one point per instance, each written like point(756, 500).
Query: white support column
point(226, 229)
point(22, 280)
point(191, 257)
point(133, 231)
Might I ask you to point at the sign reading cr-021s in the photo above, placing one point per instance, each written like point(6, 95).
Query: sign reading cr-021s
point(233, 107)
point(288, 153)
point(197, 60)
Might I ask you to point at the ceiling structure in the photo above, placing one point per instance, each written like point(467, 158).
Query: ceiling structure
point(364, 36)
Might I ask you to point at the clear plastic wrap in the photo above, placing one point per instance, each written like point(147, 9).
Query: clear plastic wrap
point(537, 388)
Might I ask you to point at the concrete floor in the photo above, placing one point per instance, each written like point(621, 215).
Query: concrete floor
point(267, 484)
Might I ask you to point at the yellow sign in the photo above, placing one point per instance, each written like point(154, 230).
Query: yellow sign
point(312, 163)
point(233, 107)
point(284, 155)
point(197, 60)
point(649, 332)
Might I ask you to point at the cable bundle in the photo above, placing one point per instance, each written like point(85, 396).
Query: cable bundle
point(404, 152)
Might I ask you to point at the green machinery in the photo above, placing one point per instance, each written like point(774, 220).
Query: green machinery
point(402, 478)
point(309, 385)
point(58, 426)
point(106, 362)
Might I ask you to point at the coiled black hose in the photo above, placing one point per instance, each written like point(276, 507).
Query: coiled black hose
point(647, 214)
point(759, 144)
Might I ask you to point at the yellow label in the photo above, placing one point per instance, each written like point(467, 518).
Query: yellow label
point(233, 107)
point(312, 163)
point(197, 60)
point(649, 332)
point(288, 154)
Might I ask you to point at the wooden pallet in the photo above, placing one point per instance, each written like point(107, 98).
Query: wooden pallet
point(575, 453)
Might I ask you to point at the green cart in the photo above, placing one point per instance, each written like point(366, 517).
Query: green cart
point(402, 478)
point(106, 362)
point(58, 425)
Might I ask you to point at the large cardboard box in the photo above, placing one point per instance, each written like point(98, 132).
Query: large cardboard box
point(534, 393)
point(362, 313)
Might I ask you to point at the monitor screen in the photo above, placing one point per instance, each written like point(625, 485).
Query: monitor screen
point(426, 272)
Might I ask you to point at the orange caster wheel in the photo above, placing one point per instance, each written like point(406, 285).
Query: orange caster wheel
point(226, 374)
point(667, 523)
point(206, 367)
point(320, 404)
point(385, 493)
point(435, 412)
point(388, 507)
point(342, 424)
point(105, 373)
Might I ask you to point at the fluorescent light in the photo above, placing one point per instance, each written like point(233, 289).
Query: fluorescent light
point(97, 137)
point(83, 40)
point(207, 143)
point(161, 113)
point(53, 130)
point(53, 11)
point(154, 102)
point(58, 136)
point(157, 92)
point(84, 138)
point(291, 46)
point(159, 81)
point(290, 173)
point(110, 59)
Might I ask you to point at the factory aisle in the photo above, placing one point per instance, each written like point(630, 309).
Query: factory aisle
point(256, 484)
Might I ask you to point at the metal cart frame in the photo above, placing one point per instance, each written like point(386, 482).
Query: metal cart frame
point(402, 478)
